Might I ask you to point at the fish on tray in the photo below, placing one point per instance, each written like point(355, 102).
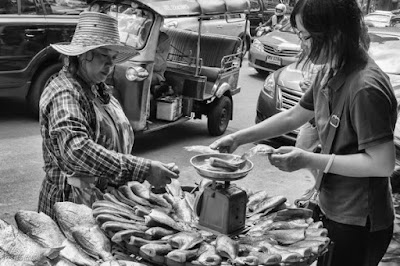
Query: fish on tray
point(207, 255)
point(179, 255)
point(227, 247)
point(185, 240)
point(44, 230)
point(153, 250)
point(268, 205)
point(21, 247)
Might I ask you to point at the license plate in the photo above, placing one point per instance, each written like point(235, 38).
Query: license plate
point(273, 60)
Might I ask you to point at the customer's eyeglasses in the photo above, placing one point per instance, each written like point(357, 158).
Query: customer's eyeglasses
point(302, 37)
point(278, 10)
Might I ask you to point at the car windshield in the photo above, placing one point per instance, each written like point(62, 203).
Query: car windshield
point(386, 52)
point(377, 18)
point(134, 24)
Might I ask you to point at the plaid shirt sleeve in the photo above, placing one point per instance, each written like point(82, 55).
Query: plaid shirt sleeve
point(70, 139)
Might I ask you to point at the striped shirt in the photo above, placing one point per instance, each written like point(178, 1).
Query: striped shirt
point(68, 129)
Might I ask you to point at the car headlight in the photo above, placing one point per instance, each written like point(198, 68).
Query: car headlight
point(269, 85)
point(257, 45)
point(136, 73)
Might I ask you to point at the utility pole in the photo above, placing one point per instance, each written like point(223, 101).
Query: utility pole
point(368, 5)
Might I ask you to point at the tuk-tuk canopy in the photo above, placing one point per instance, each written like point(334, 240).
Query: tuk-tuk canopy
point(174, 8)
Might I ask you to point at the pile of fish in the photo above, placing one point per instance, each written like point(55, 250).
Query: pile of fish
point(161, 228)
point(39, 240)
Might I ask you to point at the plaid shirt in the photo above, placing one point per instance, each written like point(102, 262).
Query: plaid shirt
point(68, 129)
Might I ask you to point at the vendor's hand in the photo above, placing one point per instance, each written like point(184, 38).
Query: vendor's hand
point(289, 158)
point(225, 144)
point(160, 174)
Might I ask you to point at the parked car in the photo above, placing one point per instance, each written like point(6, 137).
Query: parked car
point(281, 89)
point(381, 18)
point(222, 24)
point(274, 50)
point(27, 63)
point(262, 10)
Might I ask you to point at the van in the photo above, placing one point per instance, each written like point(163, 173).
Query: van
point(262, 10)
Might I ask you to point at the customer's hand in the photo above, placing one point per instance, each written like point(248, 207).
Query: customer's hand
point(160, 174)
point(225, 144)
point(289, 158)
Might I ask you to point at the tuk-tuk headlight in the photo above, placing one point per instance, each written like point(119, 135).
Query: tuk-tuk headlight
point(136, 73)
point(269, 85)
point(257, 45)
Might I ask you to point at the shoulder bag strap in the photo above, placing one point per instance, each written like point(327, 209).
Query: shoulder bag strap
point(334, 124)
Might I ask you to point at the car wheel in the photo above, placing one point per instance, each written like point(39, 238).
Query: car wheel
point(42, 79)
point(219, 116)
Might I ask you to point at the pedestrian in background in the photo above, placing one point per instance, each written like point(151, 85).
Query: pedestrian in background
point(355, 196)
point(87, 139)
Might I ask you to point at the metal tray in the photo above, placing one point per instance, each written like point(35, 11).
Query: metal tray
point(200, 161)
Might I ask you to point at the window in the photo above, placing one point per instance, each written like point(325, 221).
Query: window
point(65, 7)
point(254, 5)
point(8, 7)
point(31, 7)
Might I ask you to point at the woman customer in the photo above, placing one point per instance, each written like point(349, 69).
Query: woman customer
point(355, 195)
point(87, 139)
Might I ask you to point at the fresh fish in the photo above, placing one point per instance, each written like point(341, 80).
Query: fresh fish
point(163, 218)
point(316, 232)
point(208, 255)
point(248, 260)
point(281, 225)
point(44, 230)
point(60, 261)
point(317, 224)
point(120, 197)
point(227, 247)
point(125, 235)
point(111, 198)
point(288, 236)
point(159, 200)
point(292, 214)
point(182, 255)
point(118, 209)
point(174, 188)
point(287, 255)
point(322, 239)
point(141, 211)
point(268, 205)
point(253, 240)
point(316, 246)
point(153, 250)
point(115, 226)
point(185, 240)
point(70, 214)
point(303, 251)
point(182, 210)
point(7, 260)
point(159, 232)
point(261, 226)
point(106, 215)
point(127, 192)
point(256, 198)
point(228, 165)
point(200, 149)
point(21, 247)
point(93, 241)
point(266, 258)
point(138, 241)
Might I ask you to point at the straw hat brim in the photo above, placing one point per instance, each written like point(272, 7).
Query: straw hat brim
point(125, 52)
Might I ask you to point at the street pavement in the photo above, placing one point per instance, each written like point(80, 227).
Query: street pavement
point(21, 160)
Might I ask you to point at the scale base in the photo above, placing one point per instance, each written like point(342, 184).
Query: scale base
point(223, 208)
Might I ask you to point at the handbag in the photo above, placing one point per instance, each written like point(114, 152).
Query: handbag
point(309, 200)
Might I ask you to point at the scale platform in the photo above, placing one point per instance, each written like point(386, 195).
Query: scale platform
point(221, 206)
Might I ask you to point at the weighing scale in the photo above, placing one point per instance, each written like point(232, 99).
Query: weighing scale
point(222, 205)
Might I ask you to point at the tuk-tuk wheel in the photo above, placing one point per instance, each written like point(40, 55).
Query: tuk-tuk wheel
point(219, 115)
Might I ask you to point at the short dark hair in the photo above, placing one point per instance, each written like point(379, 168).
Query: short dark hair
point(336, 25)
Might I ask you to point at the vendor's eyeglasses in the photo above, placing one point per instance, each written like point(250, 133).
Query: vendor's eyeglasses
point(278, 10)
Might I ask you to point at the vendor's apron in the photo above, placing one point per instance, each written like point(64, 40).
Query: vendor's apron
point(113, 132)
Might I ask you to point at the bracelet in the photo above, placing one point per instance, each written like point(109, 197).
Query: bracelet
point(329, 164)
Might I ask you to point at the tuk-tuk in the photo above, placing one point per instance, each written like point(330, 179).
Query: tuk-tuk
point(202, 70)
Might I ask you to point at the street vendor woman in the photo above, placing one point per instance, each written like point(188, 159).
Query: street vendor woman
point(87, 139)
point(355, 195)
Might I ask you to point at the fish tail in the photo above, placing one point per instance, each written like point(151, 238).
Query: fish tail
point(53, 253)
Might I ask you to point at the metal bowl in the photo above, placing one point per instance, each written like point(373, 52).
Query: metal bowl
point(199, 162)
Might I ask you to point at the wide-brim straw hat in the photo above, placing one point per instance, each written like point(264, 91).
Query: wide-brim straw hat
point(96, 30)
